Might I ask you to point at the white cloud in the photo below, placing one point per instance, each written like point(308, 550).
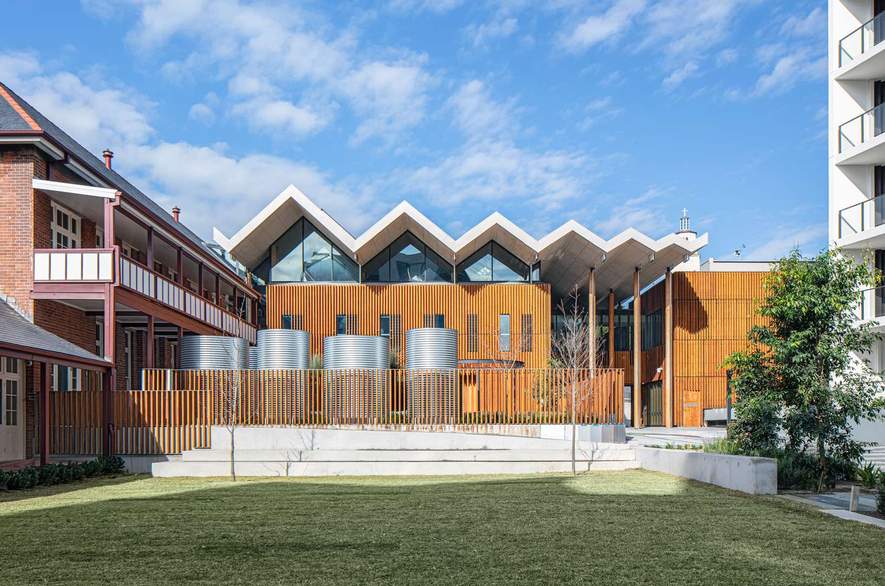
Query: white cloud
point(480, 35)
point(604, 26)
point(436, 6)
point(202, 113)
point(814, 24)
point(281, 116)
point(389, 96)
point(204, 180)
point(790, 69)
point(598, 110)
point(726, 56)
point(679, 75)
point(477, 115)
point(97, 114)
point(275, 57)
point(808, 239)
point(642, 212)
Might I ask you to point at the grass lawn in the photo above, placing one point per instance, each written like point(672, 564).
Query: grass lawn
point(631, 527)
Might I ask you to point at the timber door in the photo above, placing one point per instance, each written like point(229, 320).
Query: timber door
point(653, 403)
point(691, 409)
point(12, 416)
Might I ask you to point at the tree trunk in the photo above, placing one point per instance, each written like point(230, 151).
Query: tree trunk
point(574, 427)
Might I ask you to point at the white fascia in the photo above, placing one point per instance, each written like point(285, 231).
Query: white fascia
point(416, 218)
point(490, 223)
point(73, 189)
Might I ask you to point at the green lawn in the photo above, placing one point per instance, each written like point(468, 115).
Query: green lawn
point(608, 528)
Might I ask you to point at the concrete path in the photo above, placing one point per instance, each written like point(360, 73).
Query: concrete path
point(661, 436)
point(836, 504)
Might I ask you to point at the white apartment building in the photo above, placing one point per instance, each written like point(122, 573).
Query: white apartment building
point(856, 156)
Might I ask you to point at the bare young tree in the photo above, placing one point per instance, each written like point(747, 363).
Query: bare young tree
point(228, 393)
point(573, 350)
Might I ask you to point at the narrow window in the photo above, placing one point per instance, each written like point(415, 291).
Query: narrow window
point(287, 322)
point(384, 326)
point(439, 321)
point(11, 402)
point(525, 333)
point(504, 332)
point(340, 324)
point(472, 333)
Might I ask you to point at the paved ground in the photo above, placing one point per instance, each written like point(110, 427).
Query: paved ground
point(836, 504)
point(661, 436)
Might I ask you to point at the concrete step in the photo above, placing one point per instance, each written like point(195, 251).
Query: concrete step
point(295, 438)
point(613, 452)
point(378, 468)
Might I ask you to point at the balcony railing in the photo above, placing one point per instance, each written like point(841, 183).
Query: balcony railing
point(140, 279)
point(862, 128)
point(853, 45)
point(872, 303)
point(80, 265)
point(862, 216)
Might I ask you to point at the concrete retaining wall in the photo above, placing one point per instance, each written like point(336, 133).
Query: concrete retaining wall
point(743, 473)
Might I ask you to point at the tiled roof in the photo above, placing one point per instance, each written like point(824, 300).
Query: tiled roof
point(15, 330)
point(14, 122)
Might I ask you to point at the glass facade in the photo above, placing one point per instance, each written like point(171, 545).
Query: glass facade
point(302, 254)
point(494, 264)
point(407, 260)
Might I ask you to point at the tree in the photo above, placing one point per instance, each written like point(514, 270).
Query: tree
point(801, 386)
point(571, 346)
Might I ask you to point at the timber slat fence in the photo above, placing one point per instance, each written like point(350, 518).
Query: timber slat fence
point(176, 409)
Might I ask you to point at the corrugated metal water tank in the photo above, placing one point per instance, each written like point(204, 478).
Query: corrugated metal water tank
point(253, 357)
point(283, 349)
point(214, 352)
point(432, 362)
point(356, 386)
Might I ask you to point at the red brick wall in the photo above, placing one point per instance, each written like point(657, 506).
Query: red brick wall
point(68, 322)
point(18, 167)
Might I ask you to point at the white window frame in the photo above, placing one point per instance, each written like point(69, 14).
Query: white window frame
point(74, 378)
point(73, 236)
point(10, 390)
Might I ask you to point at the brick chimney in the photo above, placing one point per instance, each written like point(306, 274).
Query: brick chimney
point(175, 213)
point(108, 154)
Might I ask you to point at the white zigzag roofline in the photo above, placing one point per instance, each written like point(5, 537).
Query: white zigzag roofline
point(352, 245)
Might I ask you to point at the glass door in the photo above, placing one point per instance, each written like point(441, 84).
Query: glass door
point(12, 424)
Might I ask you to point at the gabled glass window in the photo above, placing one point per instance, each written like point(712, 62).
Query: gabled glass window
point(493, 263)
point(407, 260)
point(303, 254)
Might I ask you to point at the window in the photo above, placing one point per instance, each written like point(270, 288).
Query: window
point(302, 254)
point(407, 260)
point(525, 333)
point(99, 338)
point(287, 322)
point(384, 326)
point(340, 324)
point(99, 238)
point(504, 333)
point(434, 320)
point(652, 330)
point(11, 402)
point(492, 263)
point(65, 228)
point(65, 378)
point(472, 332)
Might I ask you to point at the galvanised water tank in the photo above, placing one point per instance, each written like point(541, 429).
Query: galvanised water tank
point(214, 352)
point(355, 382)
point(253, 357)
point(432, 363)
point(283, 349)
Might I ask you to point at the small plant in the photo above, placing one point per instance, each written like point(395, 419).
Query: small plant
point(52, 474)
point(723, 446)
point(880, 499)
point(868, 475)
point(112, 464)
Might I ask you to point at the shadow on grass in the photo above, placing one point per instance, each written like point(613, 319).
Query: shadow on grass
point(43, 491)
point(616, 528)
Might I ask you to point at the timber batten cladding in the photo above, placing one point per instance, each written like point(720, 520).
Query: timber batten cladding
point(712, 314)
point(316, 307)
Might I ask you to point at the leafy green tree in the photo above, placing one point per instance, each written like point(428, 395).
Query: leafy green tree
point(801, 387)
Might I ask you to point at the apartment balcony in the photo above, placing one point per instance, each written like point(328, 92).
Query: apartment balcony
point(79, 277)
point(862, 139)
point(872, 307)
point(862, 52)
point(862, 225)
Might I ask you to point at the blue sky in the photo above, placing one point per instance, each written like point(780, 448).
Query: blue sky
point(615, 113)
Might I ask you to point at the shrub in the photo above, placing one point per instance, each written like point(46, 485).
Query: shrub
point(880, 500)
point(112, 464)
point(724, 446)
point(868, 475)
